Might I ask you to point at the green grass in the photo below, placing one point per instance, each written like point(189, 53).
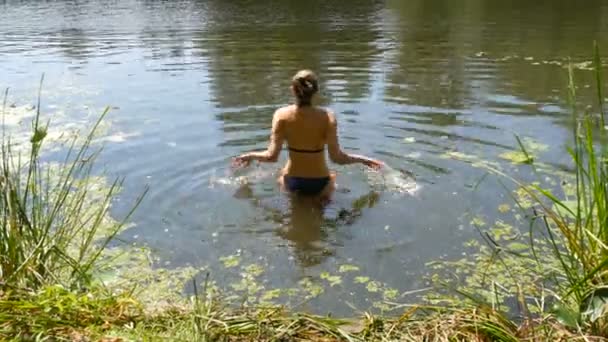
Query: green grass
point(57, 314)
point(54, 311)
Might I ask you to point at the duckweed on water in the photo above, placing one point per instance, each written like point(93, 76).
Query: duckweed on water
point(231, 260)
point(271, 294)
point(312, 289)
point(373, 286)
point(333, 280)
point(361, 280)
point(523, 198)
point(249, 287)
point(478, 221)
point(528, 152)
point(390, 294)
point(348, 268)
point(62, 130)
point(504, 208)
point(516, 157)
point(255, 270)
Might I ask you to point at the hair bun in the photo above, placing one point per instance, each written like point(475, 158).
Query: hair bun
point(304, 84)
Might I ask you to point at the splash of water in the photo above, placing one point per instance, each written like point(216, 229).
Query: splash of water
point(388, 179)
point(394, 181)
point(236, 178)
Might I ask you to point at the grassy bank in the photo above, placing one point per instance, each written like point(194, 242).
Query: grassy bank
point(55, 246)
point(56, 313)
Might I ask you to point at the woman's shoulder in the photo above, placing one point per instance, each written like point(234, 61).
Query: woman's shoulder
point(323, 111)
point(283, 112)
point(328, 113)
point(290, 111)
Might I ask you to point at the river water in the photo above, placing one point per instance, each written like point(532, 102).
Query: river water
point(413, 83)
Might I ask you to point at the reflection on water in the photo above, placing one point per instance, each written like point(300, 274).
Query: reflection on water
point(305, 230)
point(196, 82)
point(306, 222)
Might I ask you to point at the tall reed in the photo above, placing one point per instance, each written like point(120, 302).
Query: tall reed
point(576, 225)
point(54, 224)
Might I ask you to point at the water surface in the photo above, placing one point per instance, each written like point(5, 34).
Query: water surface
point(193, 83)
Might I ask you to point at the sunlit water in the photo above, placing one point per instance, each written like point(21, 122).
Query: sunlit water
point(193, 83)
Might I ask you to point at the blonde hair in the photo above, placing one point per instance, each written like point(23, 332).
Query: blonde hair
point(305, 85)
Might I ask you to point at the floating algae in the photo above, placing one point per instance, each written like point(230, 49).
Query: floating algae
point(478, 221)
point(361, 280)
point(62, 129)
point(529, 151)
point(390, 294)
point(523, 198)
point(254, 269)
point(231, 260)
point(493, 276)
point(504, 208)
point(516, 157)
point(312, 289)
point(373, 286)
point(248, 286)
point(348, 268)
point(333, 280)
point(128, 268)
point(270, 295)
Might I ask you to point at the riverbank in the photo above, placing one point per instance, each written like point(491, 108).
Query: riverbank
point(55, 313)
point(56, 249)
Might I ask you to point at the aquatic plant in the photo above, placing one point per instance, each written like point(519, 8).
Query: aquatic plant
point(573, 225)
point(560, 270)
point(577, 226)
point(50, 233)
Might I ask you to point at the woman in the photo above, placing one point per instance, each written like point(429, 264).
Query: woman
point(307, 129)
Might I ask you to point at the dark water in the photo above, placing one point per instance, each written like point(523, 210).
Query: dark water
point(196, 82)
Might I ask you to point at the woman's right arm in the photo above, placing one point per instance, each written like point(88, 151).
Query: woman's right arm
point(340, 157)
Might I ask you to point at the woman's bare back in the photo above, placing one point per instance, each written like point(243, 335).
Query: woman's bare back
point(305, 130)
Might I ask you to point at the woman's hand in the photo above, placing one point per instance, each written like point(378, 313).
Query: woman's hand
point(241, 161)
point(373, 164)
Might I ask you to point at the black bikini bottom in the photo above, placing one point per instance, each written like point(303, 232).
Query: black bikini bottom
point(305, 186)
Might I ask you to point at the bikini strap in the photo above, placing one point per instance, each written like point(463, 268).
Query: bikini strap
point(306, 151)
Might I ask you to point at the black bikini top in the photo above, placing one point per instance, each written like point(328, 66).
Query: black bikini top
point(306, 151)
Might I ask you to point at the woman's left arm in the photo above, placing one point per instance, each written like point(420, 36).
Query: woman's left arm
point(271, 155)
